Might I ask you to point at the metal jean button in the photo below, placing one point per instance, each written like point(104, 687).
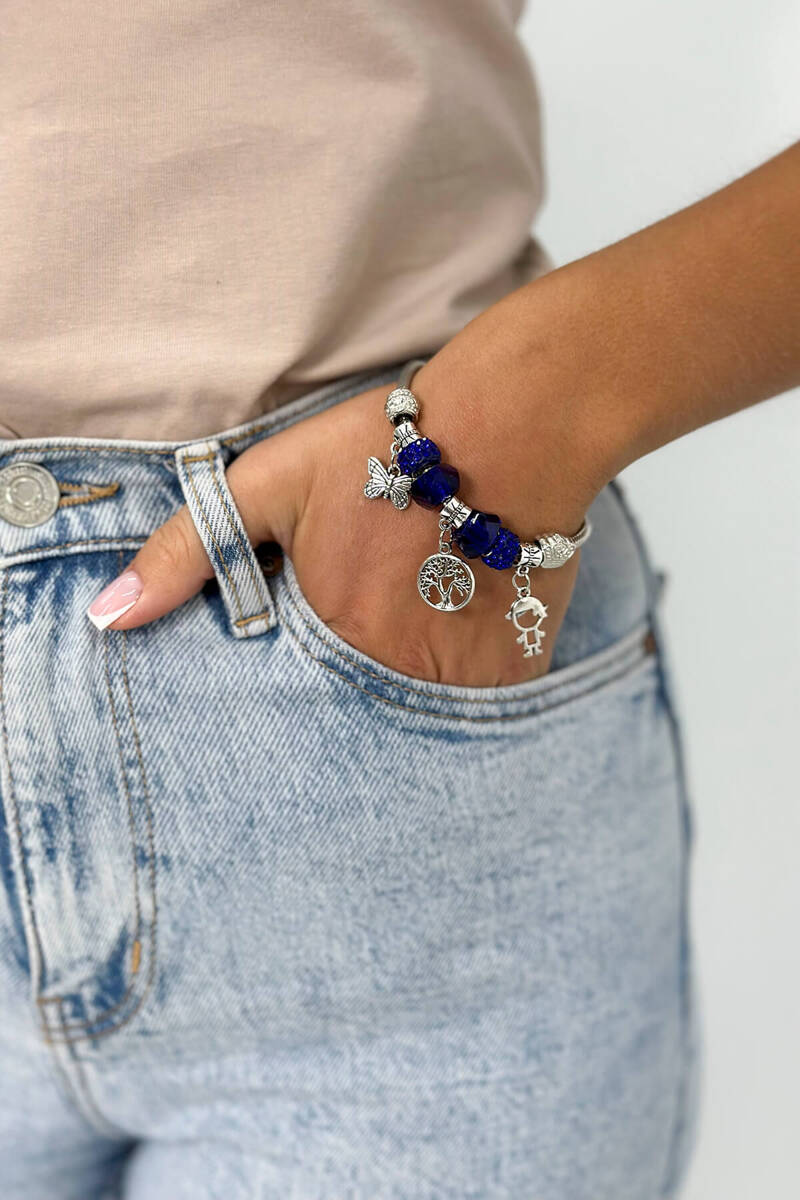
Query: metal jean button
point(29, 494)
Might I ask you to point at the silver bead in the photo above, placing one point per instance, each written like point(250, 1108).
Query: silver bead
point(530, 555)
point(405, 434)
point(455, 512)
point(556, 550)
point(401, 402)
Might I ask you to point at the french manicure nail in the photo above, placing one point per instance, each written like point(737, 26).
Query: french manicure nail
point(118, 598)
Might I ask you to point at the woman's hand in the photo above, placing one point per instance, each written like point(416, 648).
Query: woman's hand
point(539, 401)
point(356, 559)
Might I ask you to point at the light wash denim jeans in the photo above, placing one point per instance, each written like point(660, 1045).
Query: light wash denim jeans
point(279, 923)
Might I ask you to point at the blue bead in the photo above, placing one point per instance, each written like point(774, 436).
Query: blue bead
point(504, 550)
point(418, 455)
point(434, 486)
point(478, 534)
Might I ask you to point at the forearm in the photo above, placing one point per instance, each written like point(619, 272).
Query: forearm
point(678, 325)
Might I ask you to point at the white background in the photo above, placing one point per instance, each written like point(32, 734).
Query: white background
point(648, 106)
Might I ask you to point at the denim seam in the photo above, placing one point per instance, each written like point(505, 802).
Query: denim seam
point(69, 1086)
point(450, 716)
point(65, 1025)
point(87, 1033)
point(246, 550)
point(678, 1132)
point(122, 537)
point(82, 1096)
point(16, 819)
point(97, 447)
point(544, 691)
point(234, 589)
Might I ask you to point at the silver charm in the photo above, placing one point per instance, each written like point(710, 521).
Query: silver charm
point(530, 554)
point(387, 483)
point(444, 581)
point(527, 614)
point(405, 433)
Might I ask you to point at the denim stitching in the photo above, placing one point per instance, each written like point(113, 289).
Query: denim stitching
point(89, 1034)
point(190, 477)
point(543, 691)
point(107, 1012)
point(15, 814)
point(450, 716)
point(82, 1096)
point(97, 447)
point(70, 1089)
point(122, 537)
point(262, 616)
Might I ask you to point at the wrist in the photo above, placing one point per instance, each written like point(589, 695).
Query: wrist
point(505, 411)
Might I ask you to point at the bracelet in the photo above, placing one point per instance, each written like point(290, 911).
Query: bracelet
point(444, 581)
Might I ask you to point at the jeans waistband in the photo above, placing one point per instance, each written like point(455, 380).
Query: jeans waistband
point(115, 492)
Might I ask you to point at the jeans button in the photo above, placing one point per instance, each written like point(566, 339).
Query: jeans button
point(29, 494)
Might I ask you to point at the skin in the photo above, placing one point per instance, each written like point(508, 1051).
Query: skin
point(540, 401)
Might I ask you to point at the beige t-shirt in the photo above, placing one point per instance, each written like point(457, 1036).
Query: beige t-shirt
point(210, 206)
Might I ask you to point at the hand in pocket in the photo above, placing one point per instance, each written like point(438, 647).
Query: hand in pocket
point(356, 559)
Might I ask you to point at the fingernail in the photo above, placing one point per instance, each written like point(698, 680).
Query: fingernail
point(118, 598)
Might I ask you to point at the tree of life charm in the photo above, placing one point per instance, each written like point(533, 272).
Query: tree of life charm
point(444, 581)
point(527, 614)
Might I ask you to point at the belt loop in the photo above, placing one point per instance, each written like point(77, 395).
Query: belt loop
point(201, 470)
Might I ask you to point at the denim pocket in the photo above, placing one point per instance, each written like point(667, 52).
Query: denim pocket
point(315, 640)
point(607, 633)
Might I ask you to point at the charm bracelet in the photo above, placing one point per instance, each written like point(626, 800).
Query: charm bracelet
point(445, 581)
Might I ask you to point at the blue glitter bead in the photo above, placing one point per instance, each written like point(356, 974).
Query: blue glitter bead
point(504, 550)
point(419, 455)
point(434, 486)
point(478, 534)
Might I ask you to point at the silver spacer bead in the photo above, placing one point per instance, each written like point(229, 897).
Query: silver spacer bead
point(455, 512)
point(405, 434)
point(530, 555)
point(401, 402)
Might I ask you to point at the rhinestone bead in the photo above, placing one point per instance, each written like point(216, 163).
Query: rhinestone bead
point(420, 454)
point(401, 402)
point(478, 534)
point(435, 485)
point(504, 550)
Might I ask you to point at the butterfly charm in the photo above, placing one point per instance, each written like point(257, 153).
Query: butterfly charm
point(382, 483)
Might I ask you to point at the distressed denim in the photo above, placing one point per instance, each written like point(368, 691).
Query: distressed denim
point(278, 922)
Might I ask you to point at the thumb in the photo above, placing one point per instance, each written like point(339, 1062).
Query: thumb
point(173, 565)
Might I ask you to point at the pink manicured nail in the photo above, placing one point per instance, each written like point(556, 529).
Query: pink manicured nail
point(116, 599)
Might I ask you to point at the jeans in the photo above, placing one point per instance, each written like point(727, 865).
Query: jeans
point(279, 922)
